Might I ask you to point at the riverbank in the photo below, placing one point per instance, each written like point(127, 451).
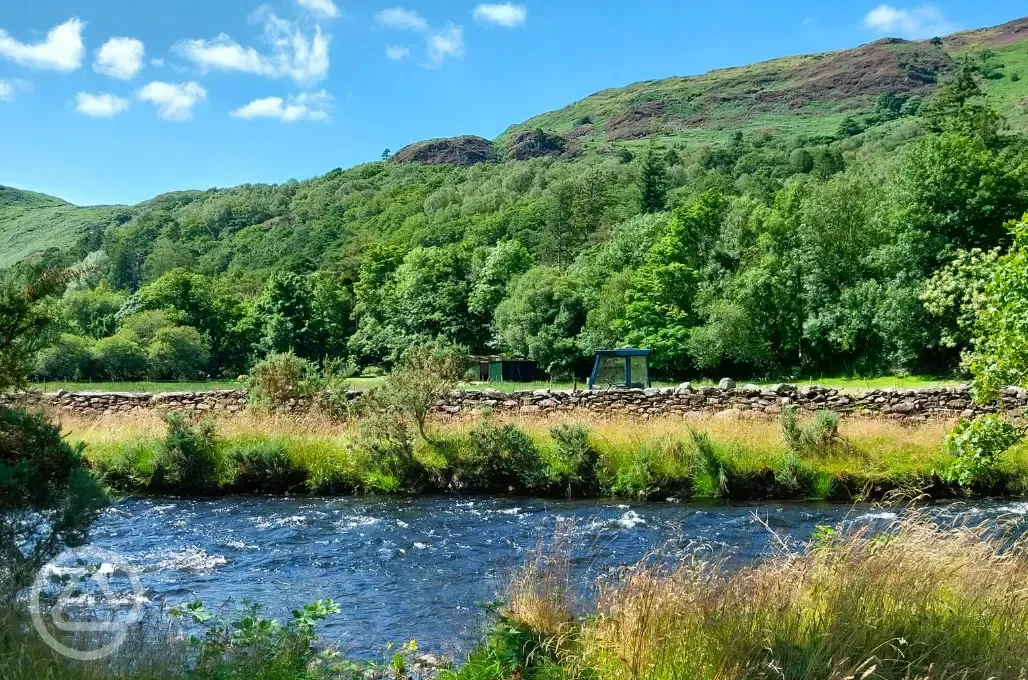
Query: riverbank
point(922, 601)
point(880, 593)
point(708, 457)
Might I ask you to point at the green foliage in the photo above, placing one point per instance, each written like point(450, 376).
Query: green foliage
point(28, 323)
point(711, 475)
point(975, 447)
point(959, 105)
point(264, 467)
point(69, 358)
point(1000, 345)
point(48, 499)
point(191, 461)
point(178, 353)
point(251, 646)
point(540, 319)
point(425, 372)
point(501, 458)
point(955, 293)
point(579, 456)
point(120, 358)
point(280, 379)
point(816, 438)
point(802, 235)
point(93, 312)
point(653, 182)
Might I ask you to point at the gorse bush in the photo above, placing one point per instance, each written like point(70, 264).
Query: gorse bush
point(578, 457)
point(191, 460)
point(263, 467)
point(425, 372)
point(502, 458)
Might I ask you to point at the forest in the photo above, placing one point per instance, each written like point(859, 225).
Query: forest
point(860, 253)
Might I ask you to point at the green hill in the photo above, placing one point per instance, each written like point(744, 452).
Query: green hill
point(800, 95)
point(32, 222)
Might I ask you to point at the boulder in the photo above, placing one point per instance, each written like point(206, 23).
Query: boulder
point(726, 384)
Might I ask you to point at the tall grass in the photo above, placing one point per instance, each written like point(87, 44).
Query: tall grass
point(499, 453)
point(920, 601)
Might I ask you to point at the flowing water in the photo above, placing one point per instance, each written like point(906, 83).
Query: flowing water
point(422, 568)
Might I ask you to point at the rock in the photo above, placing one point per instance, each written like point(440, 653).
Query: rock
point(529, 408)
point(726, 384)
point(685, 386)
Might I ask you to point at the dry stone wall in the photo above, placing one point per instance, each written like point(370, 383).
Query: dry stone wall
point(97, 403)
point(689, 401)
point(684, 401)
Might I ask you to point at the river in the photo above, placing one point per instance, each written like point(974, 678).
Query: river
point(422, 567)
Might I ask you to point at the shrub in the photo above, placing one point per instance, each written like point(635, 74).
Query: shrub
point(191, 461)
point(581, 457)
point(253, 646)
point(815, 438)
point(501, 458)
point(279, 378)
point(70, 358)
point(711, 474)
point(264, 467)
point(120, 358)
point(424, 374)
point(975, 447)
point(179, 353)
point(385, 439)
point(131, 467)
point(47, 497)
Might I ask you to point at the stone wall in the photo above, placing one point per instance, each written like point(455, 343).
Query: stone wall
point(683, 401)
point(97, 403)
point(689, 401)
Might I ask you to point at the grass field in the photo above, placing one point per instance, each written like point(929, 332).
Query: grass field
point(848, 384)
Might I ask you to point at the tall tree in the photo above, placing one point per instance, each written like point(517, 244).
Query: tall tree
point(653, 181)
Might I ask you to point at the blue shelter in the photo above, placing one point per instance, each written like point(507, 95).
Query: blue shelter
point(621, 368)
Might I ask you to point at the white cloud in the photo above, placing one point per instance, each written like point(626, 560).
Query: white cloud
point(174, 101)
point(62, 49)
point(120, 58)
point(924, 21)
point(9, 89)
point(157, 62)
point(396, 53)
point(448, 43)
point(322, 8)
point(404, 19)
point(506, 14)
point(305, 106)
point(101, 105)
point(293, 53)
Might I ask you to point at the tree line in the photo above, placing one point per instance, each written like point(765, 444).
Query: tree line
point(859, 253)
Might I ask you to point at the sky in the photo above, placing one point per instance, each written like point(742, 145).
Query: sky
point(116, 101)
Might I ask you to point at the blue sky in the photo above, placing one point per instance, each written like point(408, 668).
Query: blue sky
point(115, 101)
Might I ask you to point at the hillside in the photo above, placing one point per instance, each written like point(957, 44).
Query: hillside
point(31, 222)
point(800, 95)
